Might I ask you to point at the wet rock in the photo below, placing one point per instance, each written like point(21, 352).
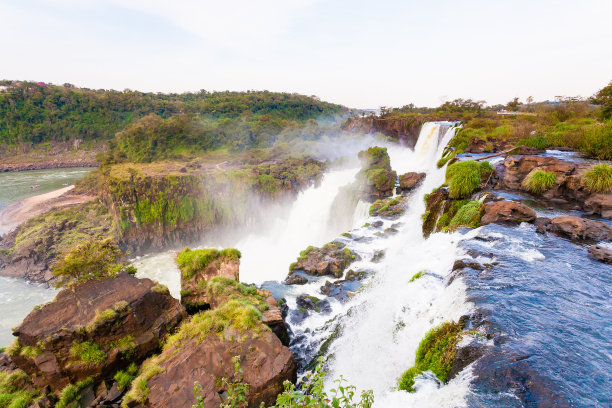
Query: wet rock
point(356, 275)
point(507, 212)
point(89, 329)
point(389, 208)
point(599, 204)
point(378, 256)
point(409, 181)
point(435, 203)
point(580, 228)
point(377, 224)
point(460, 264)
point(295, 279)
point(265, 362)
point(273, 318)
point(541, 224)
point(601, 253)
point(331, 259)
point(313, 303)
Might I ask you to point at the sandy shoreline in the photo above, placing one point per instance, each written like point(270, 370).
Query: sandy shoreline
point(30, 207)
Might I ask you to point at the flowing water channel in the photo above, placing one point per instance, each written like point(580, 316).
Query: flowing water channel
point(547, 305)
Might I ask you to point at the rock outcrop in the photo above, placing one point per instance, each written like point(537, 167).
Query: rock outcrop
point(507, 212)
point(601, 253)
point(94, 329)
point(578, 228)
point(198, 268)
point(331, 259)
point(409, 181)
point(568, 187)
point(389, 208)
point(376, 179)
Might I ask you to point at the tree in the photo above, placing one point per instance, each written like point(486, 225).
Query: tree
point(89, 260)
point(513, 105)
point(604, 98)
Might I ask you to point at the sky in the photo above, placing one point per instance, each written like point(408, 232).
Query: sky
point(362, 54)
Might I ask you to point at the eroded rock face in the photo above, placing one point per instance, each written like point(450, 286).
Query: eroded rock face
point(507, 212)
point(580, 228)
point(88, 330)
point(476, 145)
point(409, 181)
point(331, 259)
point(376, 179)
point(265, 361)
point(194, 293)
point(601, 253)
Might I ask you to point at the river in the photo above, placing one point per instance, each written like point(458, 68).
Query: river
point(17, 297)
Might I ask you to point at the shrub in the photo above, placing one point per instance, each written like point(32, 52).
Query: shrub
point(598, 179)
point(436, 353)
point(124, 378)
point(71, 392)
point(15, 389)
point(87, 352)
point(89, 260)
point(139, 391)
point(539, 181)
point(468, 215)
point(464, 177)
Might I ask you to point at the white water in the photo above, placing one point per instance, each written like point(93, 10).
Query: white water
point(390, 316)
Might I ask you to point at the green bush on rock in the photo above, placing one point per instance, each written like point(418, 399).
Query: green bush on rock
point(468, 215)
point(89, 260)
point(598, 179)
point(436, 353)
point(191, 261)
point(539, 181)
point(464, 177)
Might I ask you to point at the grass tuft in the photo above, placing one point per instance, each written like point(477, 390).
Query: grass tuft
point(464, 177)
point(598, 179)
point(539, 181)
point(87, 352)
point(468, 215)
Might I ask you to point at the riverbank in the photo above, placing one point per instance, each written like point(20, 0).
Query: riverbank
point(30, 207)
point(56, 155)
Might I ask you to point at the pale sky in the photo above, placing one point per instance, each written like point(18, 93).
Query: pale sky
point(361, 54)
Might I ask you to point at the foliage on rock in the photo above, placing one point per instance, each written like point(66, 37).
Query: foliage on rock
point(464, 177)
point(598, 179)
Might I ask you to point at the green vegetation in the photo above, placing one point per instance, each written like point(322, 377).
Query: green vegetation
point(34, 113)
point(388, 206)
point(87, 352)
point(598, 179)
point(124, 378)
point(468, 215)
point(16, 390)
point(192, 261)
point(604, 98)
point(71, 393)
point(89, 260)
point(464, 177)
point(139, 391)
point(538, 181)
point(416, 276)
point(436, 353)
point(311, 395)
point(100, 318)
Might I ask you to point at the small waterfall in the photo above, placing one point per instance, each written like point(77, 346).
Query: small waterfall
point(361, 213)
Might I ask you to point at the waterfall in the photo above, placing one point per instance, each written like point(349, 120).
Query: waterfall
point(387, 320)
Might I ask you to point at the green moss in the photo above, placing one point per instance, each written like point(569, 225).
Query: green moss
point(124, 378)
point(16, 390)
point(416, 276)
point(436, 353)
point(231, 289)
point(72, 392)
point(159, 288)
point(468, 215)
point(139, 391)
point(88, 352)
point(101, 318)
point(598, 178)
point(235, 314)
point(464, 177)
point(539, 181)
point(192, 261)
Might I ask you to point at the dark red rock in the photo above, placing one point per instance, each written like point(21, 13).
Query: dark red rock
point(507, 212)
point(410, 180)
point(580, 228)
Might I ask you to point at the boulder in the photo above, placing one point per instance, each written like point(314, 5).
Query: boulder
point(295, 279)
point(389, 208)
point(410, 180)
point(95, 329)
point(507, 212)
point(331, 259)
point(580, 228)
point(476, 145)
point(601, 253)
point(265, 362)
point(599, 204)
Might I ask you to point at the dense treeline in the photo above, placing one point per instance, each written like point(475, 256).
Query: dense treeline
point(33, 112)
